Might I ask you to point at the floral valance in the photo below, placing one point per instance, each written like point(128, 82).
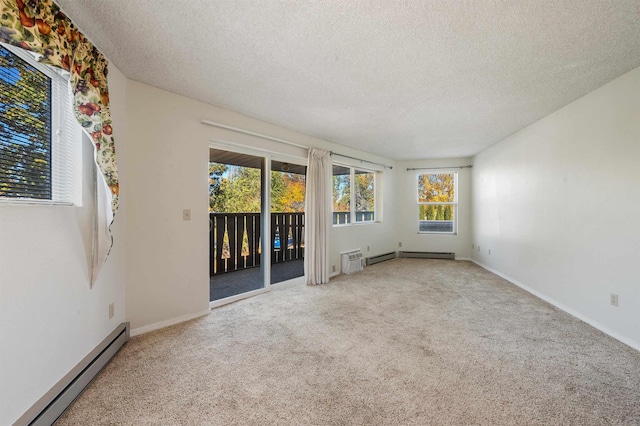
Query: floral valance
point(39, 26)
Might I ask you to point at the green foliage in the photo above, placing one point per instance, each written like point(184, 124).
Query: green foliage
point(431, 212)
point(236, 189)
point(448, 212)
point(440, 213)
point(217, 197)
point(422, 212)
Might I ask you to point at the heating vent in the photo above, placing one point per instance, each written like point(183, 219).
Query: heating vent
point(428, 255)
point(51, 406)
point(380, 258)
point(352, 261)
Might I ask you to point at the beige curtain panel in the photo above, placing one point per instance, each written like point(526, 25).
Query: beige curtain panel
point(317, 211)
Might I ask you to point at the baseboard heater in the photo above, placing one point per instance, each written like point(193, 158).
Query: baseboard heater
point(428, 255)
point(380, 258)
point(51, 406)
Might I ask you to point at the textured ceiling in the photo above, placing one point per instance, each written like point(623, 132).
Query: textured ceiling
point(401, 79)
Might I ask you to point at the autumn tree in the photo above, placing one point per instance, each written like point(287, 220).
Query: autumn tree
point(436, 188)
point(364, 191)
point(287, 192)
point(341, 193)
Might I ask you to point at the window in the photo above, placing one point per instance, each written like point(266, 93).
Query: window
point(354, 195)
point(437, 203)
point(39, 136)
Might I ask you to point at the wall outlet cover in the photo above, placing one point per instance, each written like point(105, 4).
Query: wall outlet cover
point(614, 299)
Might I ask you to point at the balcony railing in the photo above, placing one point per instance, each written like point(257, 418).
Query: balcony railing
point(342, 218)
point(235, 242)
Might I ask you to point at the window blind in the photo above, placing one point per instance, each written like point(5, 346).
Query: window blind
point(25, 129)
point(40, 149)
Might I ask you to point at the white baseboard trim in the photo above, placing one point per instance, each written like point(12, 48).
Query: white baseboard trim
point(606, 330)
point(464, 258)
point(167, 323)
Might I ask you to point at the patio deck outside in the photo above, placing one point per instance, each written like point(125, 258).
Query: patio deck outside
point(236, 247)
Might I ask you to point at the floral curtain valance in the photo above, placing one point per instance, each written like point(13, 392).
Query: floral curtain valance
point(39, 26)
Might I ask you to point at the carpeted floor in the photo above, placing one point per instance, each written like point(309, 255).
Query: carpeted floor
point(406, 342)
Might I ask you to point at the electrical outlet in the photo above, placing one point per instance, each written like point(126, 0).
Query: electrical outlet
point(614, 299)
point(367, 248)
point(400, 244)
point(489, 251)
point(111, 310)
point(333, 268)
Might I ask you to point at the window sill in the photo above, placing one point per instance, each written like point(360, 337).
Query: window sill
point(437, 233)
point(26, 202)
point(345, 225)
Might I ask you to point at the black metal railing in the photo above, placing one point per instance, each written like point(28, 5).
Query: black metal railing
point(235, 242)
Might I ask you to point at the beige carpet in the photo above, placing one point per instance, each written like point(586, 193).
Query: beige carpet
point(406, 342)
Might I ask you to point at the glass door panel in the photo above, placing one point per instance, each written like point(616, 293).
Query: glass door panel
point(287, 220)
point(236, 223)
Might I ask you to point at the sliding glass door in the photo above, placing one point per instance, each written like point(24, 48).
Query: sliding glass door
point(256, 221)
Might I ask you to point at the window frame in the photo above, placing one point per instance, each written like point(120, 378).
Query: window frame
point(352, 195)
point(65, 146)
point(453, 203)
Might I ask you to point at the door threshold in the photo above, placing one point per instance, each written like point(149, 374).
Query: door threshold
point(231, 299)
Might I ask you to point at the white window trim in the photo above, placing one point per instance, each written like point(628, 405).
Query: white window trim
point(454, 203)
point(352, 196)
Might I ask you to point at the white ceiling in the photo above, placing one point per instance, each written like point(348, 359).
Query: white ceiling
point(402, 79)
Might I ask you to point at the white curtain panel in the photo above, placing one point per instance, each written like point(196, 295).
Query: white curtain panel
point(102, 219)
point(317, 210)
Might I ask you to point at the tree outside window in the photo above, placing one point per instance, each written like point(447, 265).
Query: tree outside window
point(25, 129)
point(354, 195)
point(437, 202)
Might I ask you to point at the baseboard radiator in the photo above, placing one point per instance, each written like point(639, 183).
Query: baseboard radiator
point(380, 258)
point(428, 255)
point(51, 406)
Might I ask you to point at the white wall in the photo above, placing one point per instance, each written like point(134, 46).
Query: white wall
point(558, 205)
point(407, 226)
point(167, 268)
point(49, 317)
point(372, 238)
